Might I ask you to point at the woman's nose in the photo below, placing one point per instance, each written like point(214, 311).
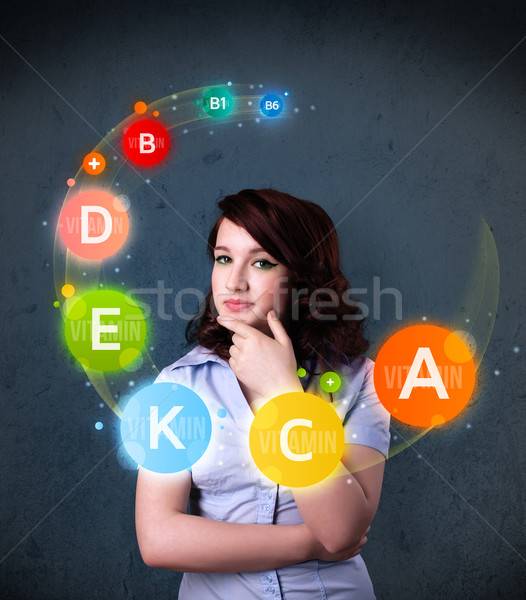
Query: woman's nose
point(236, 281)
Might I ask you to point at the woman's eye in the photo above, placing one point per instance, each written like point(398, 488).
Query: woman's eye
point(222, 260)
point(265, 264)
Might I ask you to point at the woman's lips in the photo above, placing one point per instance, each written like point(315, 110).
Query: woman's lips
point(236, 306)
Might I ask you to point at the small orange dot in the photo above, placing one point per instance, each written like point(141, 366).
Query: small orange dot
point(68, 290)
point(140, 107)
point(155, 113)
point(437, 420)
point(70, 182)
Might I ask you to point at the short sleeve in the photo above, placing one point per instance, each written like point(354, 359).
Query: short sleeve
point(367, 421)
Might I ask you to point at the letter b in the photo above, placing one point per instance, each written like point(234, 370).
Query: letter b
point(146, 139)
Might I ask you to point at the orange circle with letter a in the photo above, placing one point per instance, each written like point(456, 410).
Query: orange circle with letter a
point(424, 375)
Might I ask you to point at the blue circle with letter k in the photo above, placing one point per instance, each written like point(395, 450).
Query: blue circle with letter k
point(166, 427)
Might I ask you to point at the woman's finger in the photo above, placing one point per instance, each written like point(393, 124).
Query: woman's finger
point(234, 351)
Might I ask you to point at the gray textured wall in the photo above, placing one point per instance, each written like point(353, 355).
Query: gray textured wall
point(381, 76)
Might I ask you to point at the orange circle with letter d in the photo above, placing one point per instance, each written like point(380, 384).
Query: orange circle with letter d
point(424, 375)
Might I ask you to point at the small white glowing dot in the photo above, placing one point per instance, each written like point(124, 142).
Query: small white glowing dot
point(185, 130)
point(395, 437)
point(349, 480)
point(131, 383)
point(117, 269)
point(101, 405)
point(101, 284)
point(249, 102)
point(88, 383)
point(229, 433)
point(122, 282)
point(497, 372)
point(229, 83)
point(128, 256)
point(353, 436)
point(47, 264)
point(44, 223)
point(243, 465)
point(468, 426)
point(148, 181)
point(467, 320)
point(257, 120)
point(114, 158)
point(84, 273)
point(220, 463)
point(516, 349)
point(312, 107)
point(152, 348)
point(211, 133)
point(424, 318)
point(346, 401)
point(260, 85)
point(117, 184)
point(419, 456)
point(174, 96)
point(221, 447)
point(489, 314)
point(240, 124)
point(285, 93)
point(174, 108)
point(296, 109)
point(363, 405)
point(251, 86)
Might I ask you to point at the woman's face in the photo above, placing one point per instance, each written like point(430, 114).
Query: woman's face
point(247, 281)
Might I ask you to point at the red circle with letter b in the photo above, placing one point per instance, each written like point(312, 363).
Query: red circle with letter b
point(146, 143)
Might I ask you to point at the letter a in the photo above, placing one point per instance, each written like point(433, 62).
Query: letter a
point(412, 381)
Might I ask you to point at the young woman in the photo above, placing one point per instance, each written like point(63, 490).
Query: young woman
point(278, 302)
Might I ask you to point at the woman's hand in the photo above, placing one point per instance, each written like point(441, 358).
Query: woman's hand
point(264, 364)
point(319, 552)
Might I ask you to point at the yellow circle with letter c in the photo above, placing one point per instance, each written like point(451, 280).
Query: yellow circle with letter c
point(296, 439)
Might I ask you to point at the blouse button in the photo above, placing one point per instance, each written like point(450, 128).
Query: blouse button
point(267, 507)
point(268, 578)
point(270, 590)
point(269, 496)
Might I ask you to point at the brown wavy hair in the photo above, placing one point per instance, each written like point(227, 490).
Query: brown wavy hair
point(301, 236)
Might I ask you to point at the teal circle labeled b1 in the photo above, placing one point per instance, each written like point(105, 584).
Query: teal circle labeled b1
point(166, 428)
point(271, 105)
point(218, 102)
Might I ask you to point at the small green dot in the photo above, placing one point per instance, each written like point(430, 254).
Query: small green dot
point(302, 372)
point(197, 102)
point(199, 115)
point(56, 304)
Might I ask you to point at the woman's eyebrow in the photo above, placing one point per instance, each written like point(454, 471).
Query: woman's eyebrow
point(255, 250)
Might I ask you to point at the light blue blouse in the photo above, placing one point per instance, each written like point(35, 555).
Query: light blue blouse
point(227, 485)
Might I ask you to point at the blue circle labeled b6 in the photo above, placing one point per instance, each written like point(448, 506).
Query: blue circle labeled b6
point(166, 428)
point(271, 105)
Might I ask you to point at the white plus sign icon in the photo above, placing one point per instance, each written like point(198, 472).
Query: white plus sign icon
point(330, 382)
point(94, 163)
